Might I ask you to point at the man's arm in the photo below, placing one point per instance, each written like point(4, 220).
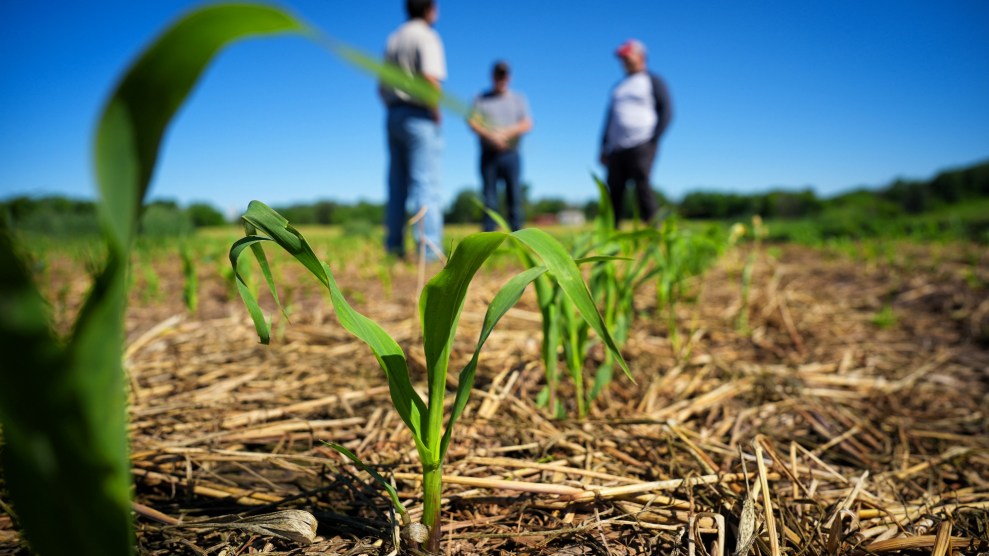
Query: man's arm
point(664, 107)
point(524, 123)
point(603, 155)
point(433, 66)
point(519, 129)
point(439, 89)
point(492, 136)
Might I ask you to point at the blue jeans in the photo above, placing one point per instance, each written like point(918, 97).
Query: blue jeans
point(505, 166)
point(414, 147)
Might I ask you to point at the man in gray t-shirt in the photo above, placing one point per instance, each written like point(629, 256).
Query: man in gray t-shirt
point(413, 126)
point(500, 118)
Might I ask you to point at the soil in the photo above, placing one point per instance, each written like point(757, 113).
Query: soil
point(849, 416)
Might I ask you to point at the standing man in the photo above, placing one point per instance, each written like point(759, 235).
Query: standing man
point(500, 118)
point(414, 140)
point(638, 114)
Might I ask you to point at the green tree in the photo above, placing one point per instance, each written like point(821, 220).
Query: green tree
point(204, 214)
point(464, 209)
point(551, 205)
point(164, 218)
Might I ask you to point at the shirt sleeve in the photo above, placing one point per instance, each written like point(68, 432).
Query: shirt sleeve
point(523, 107)
point(664, 108)
point(432, 58)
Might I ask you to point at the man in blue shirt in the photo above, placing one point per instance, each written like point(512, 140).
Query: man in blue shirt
point(638, 114)
point(500, 118)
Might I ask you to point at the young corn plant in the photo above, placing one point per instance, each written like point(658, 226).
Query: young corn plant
point(151, 293)
point(440, 306)
point(614, 285)
point(547, 300)
point(759, 232)
point(64, 456)
point(563, 327)
point(683, 254)
point(562, 330)
point(190, 287)
point(62, 399)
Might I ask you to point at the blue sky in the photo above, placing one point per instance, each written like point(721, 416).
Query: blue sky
point(767, 94)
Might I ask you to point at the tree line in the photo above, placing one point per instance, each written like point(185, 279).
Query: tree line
point(63, 216)
point(901, 197)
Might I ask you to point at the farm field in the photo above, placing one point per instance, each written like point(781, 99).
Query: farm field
point(687, 387)
point(848, 406)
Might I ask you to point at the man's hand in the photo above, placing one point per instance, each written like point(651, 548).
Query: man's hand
point(603, 158)
point(498, 139)
point(495, 137)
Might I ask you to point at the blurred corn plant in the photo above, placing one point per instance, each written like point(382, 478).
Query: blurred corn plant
point(614, 285)
point(62, 400)
point(621, 264)
point(151, 290)
point(759, 232)
point(548, 295)
point(682, 254)
point(564, 329)
point(190, 286)
point(440, 306)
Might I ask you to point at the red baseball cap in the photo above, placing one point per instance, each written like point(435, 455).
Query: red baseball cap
point(630, 46)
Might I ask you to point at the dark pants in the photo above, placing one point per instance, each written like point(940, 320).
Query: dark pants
point(633, 164)
point(504, 166)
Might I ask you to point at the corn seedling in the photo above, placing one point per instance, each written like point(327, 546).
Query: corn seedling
point(440, 306)
point(563, 329)
point(759, 231)
point(190, 287)
point(683, 253)
point(549, 308)
point(614, 285)
point(885, 318)
point(152, 282)
point(229, 278)
point(62, 400)
point(547, 300)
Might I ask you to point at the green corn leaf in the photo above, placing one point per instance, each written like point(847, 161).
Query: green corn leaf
point(651, 234)
point(505, 299)
point(260, 216)
point(262, 326)
point(393, 76)
point(605, 221)
point(547, 293)
point(190, 289)
point(65, 461)
point(392, 493)
point(545, 290)
point(601, 259)
point(498, 219)
point(259, 255)
point(565, 271)
point(274, 227)
point(67, 465)
point(602, 378)
point(135, 118)
point(440, 305)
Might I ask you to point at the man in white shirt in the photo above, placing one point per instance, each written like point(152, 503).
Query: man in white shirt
point(638, 113)
point(413, 125)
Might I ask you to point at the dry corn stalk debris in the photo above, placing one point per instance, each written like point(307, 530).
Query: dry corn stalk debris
point(838, 435)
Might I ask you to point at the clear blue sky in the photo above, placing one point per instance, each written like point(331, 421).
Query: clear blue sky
point(774, 93)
